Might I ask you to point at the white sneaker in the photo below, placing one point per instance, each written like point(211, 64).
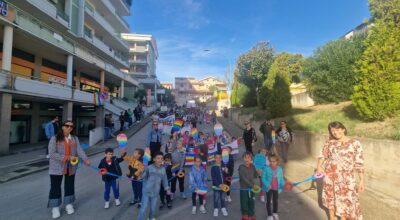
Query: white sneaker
point(228, 199)
point(117, 202)
point(194, 210)
point(183, 196)
point(262, 198)
point(224, 212)
point(55, 212)
point(47, 156)
point(202, 209)
point(270, 218)
point(107, 205)
point(70, 209)
point(276, 217)
point(215, 213)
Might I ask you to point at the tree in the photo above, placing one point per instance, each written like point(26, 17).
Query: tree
point(253, 67)
point(377, 93)
point(277, 85)
point(329, 73)
point(241, 94)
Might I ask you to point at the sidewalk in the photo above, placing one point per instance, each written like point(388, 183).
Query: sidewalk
point(31, 161)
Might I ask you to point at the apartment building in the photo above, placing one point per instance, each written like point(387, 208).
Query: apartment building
point(143, 55)
point(57, 58)
point(188, 88)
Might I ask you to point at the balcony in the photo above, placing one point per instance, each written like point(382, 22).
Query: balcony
point(38, 87)
point(113, 11)
point(50, 9)
point(30, 24)
point(138, 61)
point(103, 23)
point(139, 49)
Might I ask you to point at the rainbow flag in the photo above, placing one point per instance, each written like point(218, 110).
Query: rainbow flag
point(195, 133)
point(212, 151)
point(273, 135)
point(96, 99)
point(202, 190)
point(177, 125)
point(189, 159)
point(225, 156)
point(147, 156)
point(234, 145)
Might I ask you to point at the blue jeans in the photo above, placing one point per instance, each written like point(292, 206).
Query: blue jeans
point(219, 199)
point(146, 199)
point(137, 190)
point(115, 187)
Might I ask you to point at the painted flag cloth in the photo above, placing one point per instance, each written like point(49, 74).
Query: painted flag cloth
point(225, 156)
point(195, 133)
point(212, 151)
point(189, 159)
point(234, 145)
point(177, 125)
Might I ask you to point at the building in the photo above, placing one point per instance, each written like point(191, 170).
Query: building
point(169, 86)
point(188, 88)
point(57, 58)
point(360, 29)
point(143, 55)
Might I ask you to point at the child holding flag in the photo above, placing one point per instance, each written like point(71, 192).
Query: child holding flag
point(217, 176)
point(197, 179)
point(178, 158)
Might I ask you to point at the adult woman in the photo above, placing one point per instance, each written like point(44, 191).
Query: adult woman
point(63, 148)
point(249, 137)
point(285, 138)
point(340, 157)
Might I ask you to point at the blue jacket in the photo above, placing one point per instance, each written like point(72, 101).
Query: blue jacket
point(178, 157)
point(49, 130)
point(152, 136)
point(260, 161)
point(153, 177)
point(268, 174)
point(197, 178)
point(217, 175)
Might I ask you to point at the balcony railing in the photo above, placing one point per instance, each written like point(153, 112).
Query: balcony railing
point(51, 10)
point(42, 31)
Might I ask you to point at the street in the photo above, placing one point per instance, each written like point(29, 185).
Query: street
point(26, 198)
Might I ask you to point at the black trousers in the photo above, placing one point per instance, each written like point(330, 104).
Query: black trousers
point(248, 146)
point(55, 190)
point(121, 128)
point(154, 148)
point(164, 195)
point(272, 195)
point(194, 199)
point(181, 183)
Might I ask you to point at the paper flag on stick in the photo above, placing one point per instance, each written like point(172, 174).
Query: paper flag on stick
point(146, 156)
point(218, 129)
point(273, 136)
point(175, 167)
point(225, 156)
point(202, 190)
point(122, 140)
point(195, 133)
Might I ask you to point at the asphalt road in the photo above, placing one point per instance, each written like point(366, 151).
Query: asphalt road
point(26, 198)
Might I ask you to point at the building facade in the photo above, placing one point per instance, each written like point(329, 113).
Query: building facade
point(169, 86)
point(57, 58)
point(188, 88)
point(143, 55)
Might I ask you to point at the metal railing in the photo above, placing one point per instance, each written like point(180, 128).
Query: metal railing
point(63, 15)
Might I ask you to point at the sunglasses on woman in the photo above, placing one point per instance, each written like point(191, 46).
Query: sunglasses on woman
point(68, 126)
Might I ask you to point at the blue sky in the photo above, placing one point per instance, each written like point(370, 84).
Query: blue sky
point(227, 28)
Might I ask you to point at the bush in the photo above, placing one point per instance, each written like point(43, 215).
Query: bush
point(377, 94)
point(243, 95)
point(329, 74)
point(279, 98)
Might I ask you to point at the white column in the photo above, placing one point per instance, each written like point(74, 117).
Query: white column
point(155, 94)
point(70, 70)
point(102, 79)
point(122, 89)
point(7, 47)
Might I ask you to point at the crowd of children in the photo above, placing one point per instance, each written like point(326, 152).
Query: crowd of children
point(168, 169)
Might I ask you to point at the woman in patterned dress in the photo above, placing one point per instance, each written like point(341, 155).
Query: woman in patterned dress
point(339, 158)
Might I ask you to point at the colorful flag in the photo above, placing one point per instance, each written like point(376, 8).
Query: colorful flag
point(177, 125)
point(234, 145)
point(175, 167)
point(202, 190)
point(273, 135)
point(195, 133)
point(212, 151)
point(189, 159)
point(122, 140)
point(218, 129)
point(146, 156)
point(225, 156)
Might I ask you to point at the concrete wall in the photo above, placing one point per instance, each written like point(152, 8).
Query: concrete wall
point(382, 174)
point(302, 100)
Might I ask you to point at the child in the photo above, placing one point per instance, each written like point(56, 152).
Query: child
point(178, 157)
point(111, 164)
point(135, 170)
point(197, 178)
point(185, 138)
point(247, 174)
point(153, 176)
point(228, 168)
point(163, 195)
point(217, 176)
point(260, 162)
point(272, 178)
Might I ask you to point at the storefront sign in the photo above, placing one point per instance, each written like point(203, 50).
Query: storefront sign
point(7, 11)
